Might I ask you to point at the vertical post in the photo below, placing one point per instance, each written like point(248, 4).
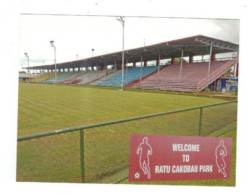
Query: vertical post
point(55, 65)
point(200, 121)
point(55, 68)
point(92, 51)
point(123, 57)
point(213, 57)
point(210, 59)
point(172, 60)
point(26, 54)
point(126, 70)
point(191, 59)
point(215, 84)
point(28, 64)
point(180, 73)
point(141, 69)
point(145, 63)
point(82, 156)
point(158, 68)
point(237, 69)
point(28, 69)
point(105, 68)
point(121, 19)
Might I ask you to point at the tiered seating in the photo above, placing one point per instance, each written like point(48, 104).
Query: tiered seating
point(41, 77)
point(60, 77)
point(90, 76)
point(73, 78)
point(98, 81)
point(130, 75)
point(168, 77)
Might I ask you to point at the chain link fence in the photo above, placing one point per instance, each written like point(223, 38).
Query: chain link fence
point(99, 153)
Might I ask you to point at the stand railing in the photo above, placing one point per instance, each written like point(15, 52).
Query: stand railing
point(216, 74)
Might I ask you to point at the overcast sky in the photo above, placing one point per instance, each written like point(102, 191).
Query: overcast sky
point(77, 35)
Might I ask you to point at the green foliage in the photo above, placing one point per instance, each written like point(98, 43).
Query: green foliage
point(178, 61)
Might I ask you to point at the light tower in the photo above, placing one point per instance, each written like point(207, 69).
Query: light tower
point(52, 45)
point(121, 19)
point(26, 54)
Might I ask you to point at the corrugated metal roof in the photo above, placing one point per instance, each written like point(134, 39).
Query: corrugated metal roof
point(194, 45)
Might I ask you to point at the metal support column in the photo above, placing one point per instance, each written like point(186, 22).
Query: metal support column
point(158, 68)
point(105, 69)
point(55, 68)
point(126, 72)
point(210, 58)
point(180, 73)
point(121, 19)
point(141, 69)
point(82, 156)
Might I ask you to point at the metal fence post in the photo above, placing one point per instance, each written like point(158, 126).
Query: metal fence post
point(82, 159)
point(200, 121)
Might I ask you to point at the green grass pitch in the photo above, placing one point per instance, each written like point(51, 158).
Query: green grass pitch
point(57, 158)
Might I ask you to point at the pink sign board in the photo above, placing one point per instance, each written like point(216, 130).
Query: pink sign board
point(162, 158)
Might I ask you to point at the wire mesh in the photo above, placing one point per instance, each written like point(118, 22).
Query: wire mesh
point(107, 147)
point(218, 118)
point(49, 159)
point(59, 158)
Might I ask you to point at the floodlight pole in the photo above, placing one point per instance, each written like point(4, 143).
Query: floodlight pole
point(52, 45)
point(121, 19)
point(210, 58)
point(92, 52)
point(26, 54)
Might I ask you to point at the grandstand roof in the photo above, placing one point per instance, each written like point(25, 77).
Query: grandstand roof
point(194, 45)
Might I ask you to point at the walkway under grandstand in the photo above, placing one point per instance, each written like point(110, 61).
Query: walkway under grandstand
point(159, 66)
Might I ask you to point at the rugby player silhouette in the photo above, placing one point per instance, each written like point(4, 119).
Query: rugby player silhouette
point(145, 150)
point(220, 153)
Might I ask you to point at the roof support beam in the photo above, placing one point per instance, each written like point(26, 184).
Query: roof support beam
point(217, 43)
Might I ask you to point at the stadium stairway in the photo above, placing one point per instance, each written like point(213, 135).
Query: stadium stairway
point(194, 76)
point(138, 80)
point(95, 80)
point(100, 80)
point(71, 79)
point(216, 74)
point(91, 76)
point(60, 77)
point(130, 75)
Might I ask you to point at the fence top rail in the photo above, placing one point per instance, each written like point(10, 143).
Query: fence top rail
point(72, 129)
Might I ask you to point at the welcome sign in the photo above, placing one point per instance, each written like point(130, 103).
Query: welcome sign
point(159, 158)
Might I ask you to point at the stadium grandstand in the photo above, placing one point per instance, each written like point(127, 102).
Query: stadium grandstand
point(169, 66)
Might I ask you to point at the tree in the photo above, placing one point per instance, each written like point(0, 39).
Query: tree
point(177, 61)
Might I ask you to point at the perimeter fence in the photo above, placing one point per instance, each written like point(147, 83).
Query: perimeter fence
point(99, 153)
